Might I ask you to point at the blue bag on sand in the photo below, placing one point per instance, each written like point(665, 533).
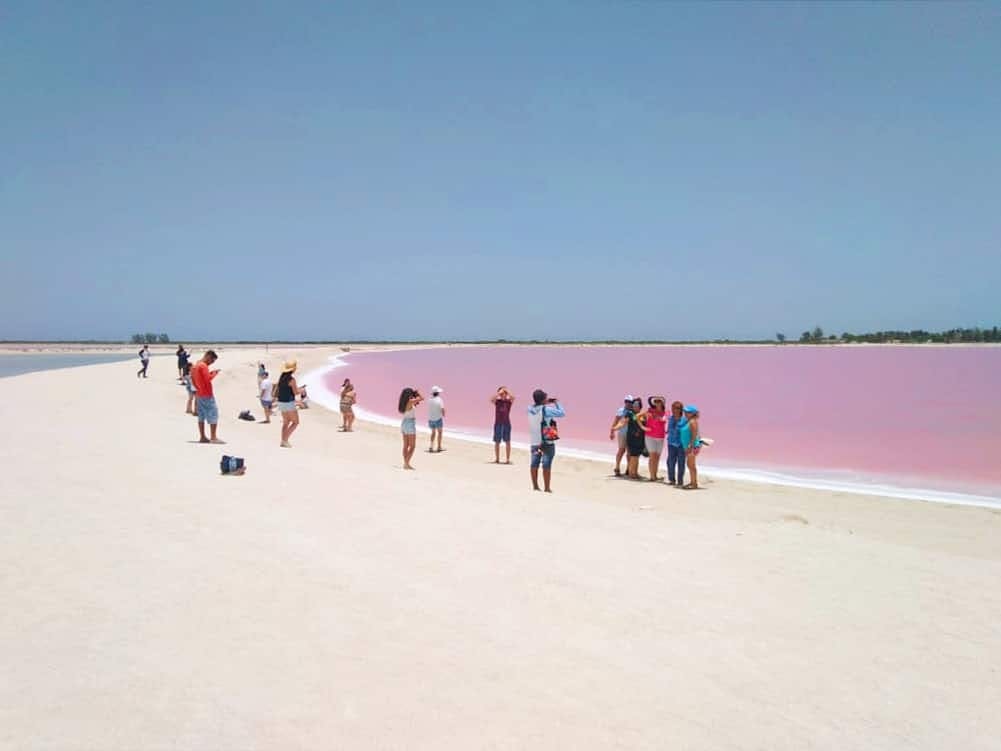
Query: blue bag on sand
point(230, 464)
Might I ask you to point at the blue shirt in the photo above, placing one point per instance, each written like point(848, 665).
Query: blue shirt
point(673, 429)
point(622, 412)
point(535, 420)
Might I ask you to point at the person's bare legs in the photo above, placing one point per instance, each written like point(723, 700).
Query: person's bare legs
point(201, 431)
point(534, 471)
point(214, 438)
point(409, 446)
point(693, 473)
point(546, 475)
point(496, 452)
point(654, 464)
point(433, 432)
point(293, 424)
point(633, 467)
point(618, 459)
point(190, 407)
point(440, 431)
point(507, 452)
point(351, 421)
point(290, 420)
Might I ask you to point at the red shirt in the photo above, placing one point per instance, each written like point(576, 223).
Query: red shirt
point(201, 379)
point(655, 422)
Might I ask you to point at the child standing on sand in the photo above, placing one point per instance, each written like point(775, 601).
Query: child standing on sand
point(190, 388)
point(264, 392)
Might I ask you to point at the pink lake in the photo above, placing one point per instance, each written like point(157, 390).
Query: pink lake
point(927, 417)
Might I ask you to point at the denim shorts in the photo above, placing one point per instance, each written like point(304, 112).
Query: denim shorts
point(266, 403)
point(502, 433)
point(654, 445)
point(436, 424)
point(207, 410)
point(409, 426)
point(286, 406)
point(543, 454)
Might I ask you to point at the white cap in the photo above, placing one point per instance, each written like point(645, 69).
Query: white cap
point(628, 398)
point(435, 389)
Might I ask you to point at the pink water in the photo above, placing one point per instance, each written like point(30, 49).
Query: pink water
point(915, 416)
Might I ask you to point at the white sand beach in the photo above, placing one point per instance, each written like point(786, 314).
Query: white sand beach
point(328, 599)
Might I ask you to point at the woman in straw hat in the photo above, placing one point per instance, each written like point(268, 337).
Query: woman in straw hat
point(287, 392)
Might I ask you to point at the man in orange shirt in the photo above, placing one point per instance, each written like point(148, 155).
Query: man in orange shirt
point(205, 406)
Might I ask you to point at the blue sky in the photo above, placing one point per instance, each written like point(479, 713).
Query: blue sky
point(518, 170)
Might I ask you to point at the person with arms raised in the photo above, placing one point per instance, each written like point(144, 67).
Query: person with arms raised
point(542, 436)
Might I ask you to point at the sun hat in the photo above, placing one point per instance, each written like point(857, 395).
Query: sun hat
point(436, 389)
point(691, 409)
point(289, 366)
point(651, 399)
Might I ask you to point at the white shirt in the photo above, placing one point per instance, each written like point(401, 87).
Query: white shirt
point(266, 389)
point(144, 354)
point(436, 408)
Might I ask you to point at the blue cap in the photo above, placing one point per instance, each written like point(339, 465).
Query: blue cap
point(691, 409)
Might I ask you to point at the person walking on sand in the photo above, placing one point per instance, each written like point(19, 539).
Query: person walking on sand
point(436, 418)
point(654, 423)
point(182, 362)
point(691, 441)
point(502, 402)
point(144, 359)
point(205, 404)
point(264, 393)
point(675, 451)
point(348, 399)
point(287, 392)
point(620, 433)
point(409, 399)
point(542, 436)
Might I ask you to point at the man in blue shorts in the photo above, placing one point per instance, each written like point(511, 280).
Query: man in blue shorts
point(541, 413)
point(502, 402)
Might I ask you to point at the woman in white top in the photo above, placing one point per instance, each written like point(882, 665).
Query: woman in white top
point(409, 399)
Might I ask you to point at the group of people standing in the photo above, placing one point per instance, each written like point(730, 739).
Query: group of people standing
point(640, 430)
point(644, 431)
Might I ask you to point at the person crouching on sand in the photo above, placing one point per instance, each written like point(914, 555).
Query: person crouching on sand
point(654, 424)
point(287, 392)
point(348, 399)
point(691, 441)
point(502, 402)
point(619, 433)
point(675, 451)
point(542, 436)
point(409, 399)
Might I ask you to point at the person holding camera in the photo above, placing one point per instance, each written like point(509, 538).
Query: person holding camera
point(543, 435)
point(409, 399)
point(502, 402)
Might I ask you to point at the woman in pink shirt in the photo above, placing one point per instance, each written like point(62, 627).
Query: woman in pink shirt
point(654, 424)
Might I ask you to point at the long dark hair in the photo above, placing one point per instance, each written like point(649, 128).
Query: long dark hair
point(405, 396)
point(284, 378)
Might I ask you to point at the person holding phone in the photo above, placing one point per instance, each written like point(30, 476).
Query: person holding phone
point(205, 404)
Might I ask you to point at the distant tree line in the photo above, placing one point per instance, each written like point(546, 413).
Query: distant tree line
point(150, 338)
point(916, 336)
